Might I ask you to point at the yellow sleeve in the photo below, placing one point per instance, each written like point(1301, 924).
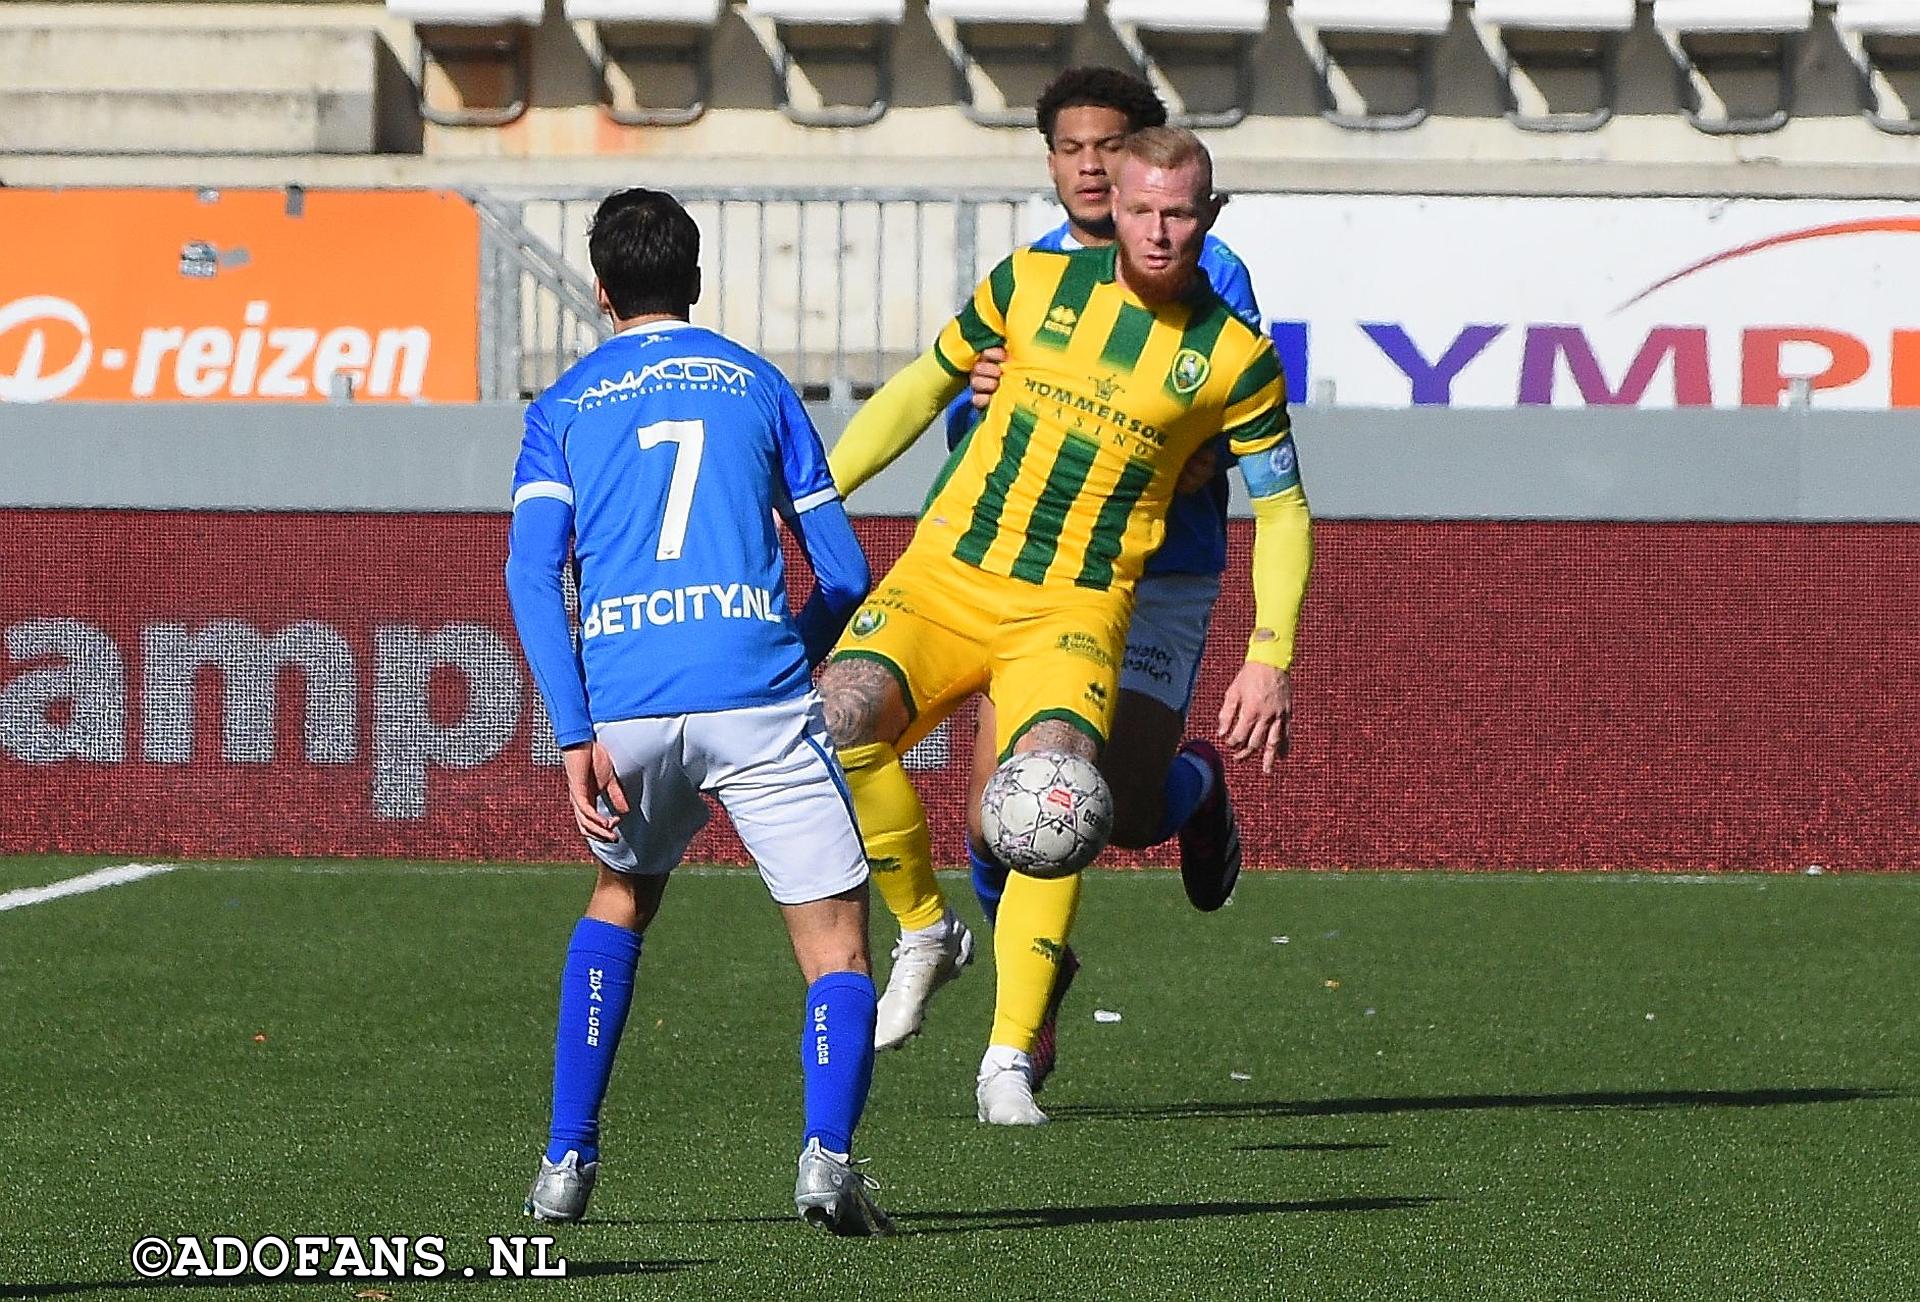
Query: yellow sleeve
point(981, 324)
point(889, 422)
point(1282, 560)
point(1256, 414)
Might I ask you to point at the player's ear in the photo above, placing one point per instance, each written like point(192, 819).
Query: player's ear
point(600, 299)
point(693, 290)
point(1210, 211)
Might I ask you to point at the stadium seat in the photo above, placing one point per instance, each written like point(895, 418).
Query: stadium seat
point(968, 27)
point(1882, 37)
point(1707, 36)
point(637, 34)
point(1236, 23)
point(856, 33)
point(473, 34)
point(1394, 34)
point(1526, 36)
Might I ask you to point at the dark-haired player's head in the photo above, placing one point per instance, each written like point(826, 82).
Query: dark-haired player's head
point(1085, 114)
point(645, 251)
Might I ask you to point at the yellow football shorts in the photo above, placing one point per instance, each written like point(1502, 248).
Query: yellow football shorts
point(946, 630)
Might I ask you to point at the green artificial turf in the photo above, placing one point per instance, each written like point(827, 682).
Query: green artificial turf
point(1365, 1086)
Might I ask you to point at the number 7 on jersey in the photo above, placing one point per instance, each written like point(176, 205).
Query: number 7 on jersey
point(689, 439)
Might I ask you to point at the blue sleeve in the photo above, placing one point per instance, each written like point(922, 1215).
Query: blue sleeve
point(1229, 278)
point(840, 575)
point(543, 463)
point(803, 461)
point(959, 419)
point(813, 511)
point(537, 547)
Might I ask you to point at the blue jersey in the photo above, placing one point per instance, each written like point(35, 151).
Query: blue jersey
point(669, 449)
point(1196, 539)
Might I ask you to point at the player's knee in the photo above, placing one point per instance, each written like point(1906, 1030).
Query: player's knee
point(863, 703)
point(1058, 735)
point(1134, 826)
point(1137, 798)
point(625, 899)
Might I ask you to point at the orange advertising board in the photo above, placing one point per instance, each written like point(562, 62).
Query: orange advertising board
point(237, 295)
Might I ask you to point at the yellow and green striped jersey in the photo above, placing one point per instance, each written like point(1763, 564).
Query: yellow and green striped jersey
point(1102, 400)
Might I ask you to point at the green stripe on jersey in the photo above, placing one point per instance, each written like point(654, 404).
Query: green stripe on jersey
point(1064, 482)
point(973, 545)
point(973, 328)
point(1127, 338)
point(1000, 285)
point(1111, 526)
point(1268, 424)
point(1264, 370)
point(1083, 275)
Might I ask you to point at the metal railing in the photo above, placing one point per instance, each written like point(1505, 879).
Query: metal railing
point(837, 287)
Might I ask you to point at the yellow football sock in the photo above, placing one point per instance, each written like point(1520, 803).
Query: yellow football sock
point(1029, 940)
point(894, 826)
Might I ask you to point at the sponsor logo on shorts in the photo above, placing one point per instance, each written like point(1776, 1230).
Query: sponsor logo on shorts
point(1087, 647)
point(1097, 693)
point(1190, 371)
point(1150, 662)
point(867, 622)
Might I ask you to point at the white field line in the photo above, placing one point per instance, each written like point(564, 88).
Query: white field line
point(352, 868)
point(97, 880)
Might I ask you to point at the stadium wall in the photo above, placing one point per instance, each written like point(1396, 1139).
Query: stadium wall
point(1670, 641)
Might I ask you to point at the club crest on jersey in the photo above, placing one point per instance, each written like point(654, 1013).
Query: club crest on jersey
point(867, 622)
point(1190, 371)
point(1060, 319)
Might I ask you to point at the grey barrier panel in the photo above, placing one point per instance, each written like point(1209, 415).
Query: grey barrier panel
point(1542, 464)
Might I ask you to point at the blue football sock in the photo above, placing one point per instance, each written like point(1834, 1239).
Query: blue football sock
point(1189, 782)
point(596, 988)
point(989, 881)
point(836, 1057)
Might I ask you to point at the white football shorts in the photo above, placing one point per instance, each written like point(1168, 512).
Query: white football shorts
point(772, 769)
point(1171, 613)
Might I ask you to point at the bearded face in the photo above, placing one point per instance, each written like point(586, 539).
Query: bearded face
point(1161, 216)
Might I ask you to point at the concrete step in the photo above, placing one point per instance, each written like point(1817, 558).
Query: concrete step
point(59, 58)
point(180, 122)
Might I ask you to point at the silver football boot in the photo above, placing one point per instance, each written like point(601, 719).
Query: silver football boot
point(831, 1195)
point(561, 1190)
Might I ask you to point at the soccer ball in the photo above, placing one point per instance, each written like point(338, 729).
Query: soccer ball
point(1046, 813)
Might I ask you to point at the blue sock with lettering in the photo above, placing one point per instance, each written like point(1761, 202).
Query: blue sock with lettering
point(1189, 782)
point(836, 1057)
point(596, 988)
point(989, 881)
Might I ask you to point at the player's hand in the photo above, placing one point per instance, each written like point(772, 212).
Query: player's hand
point(1200, 468)
point(590, 775)
point(1257, 716)
point(985, 377)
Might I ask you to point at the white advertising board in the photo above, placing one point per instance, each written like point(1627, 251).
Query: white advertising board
point(1396, 300)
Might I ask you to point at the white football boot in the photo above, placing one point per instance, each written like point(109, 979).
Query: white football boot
point(1004, 1089)
point(923, 961)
